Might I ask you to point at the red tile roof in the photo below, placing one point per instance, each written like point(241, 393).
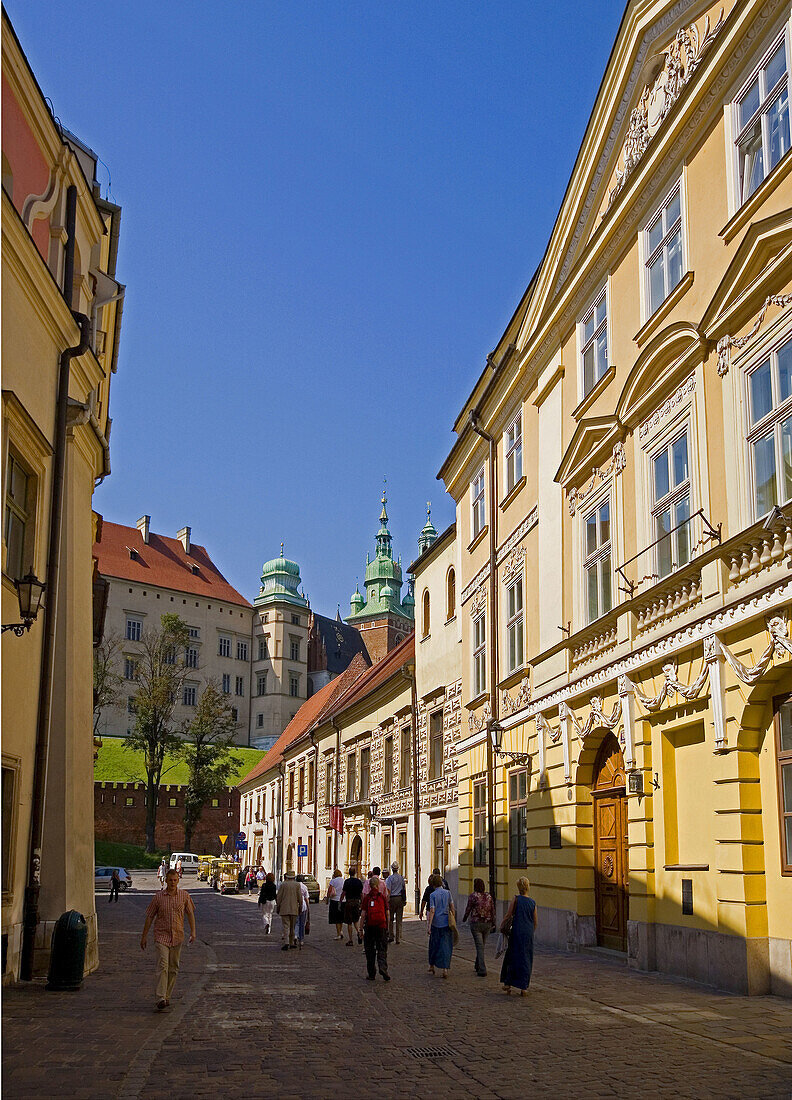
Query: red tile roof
point(378, 674)
point(312, 710)
point(161, 563)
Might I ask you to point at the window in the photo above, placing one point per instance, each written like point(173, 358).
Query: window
point(328, 849)
point(438, 848)
point(131, 708)
point(294, 686)
point(242, 651)
point(301, 786)
point(671, 509)
point(663, 251)
point(480, 853)
point(19, 514)
point(479, 517)
point(224, 647)
point(450, 594)
point(386, 853)
point(436, 745)
point(350, 778)
point(294, 649)
point(594, 342)
point(402, 839)
point(479, 654)
point(514, 624)
point(291, 789)
point(295, 620)
point(173, 802)
point(261, 683)
point(518, 818)
point(226, 683)
point(770, 429)
point(215, 803)
point(195, 632)
point(405, 758)
point(425, 614)
point(234, 714)
point(190, 695)
point(329, 787)
point(129, 802)
point(239, 687)
point(598, 561)
point(191, 657)
point(8, 802)
point(387, 781)
point(514, 461)
point(263, 648)
point(130, 668)
point(365, 773)
point(783, 730)
point(133, 629)
point(762, 121)
point(311, 780)
point(260, 721)
point(169, 655)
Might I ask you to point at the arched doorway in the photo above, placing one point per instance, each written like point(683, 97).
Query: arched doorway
point(356, 855)
point(611, 872)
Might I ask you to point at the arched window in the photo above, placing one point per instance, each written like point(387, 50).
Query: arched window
point(425, 616)
point(450, 594)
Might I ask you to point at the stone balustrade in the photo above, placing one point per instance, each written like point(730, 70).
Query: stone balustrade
point(671, 601)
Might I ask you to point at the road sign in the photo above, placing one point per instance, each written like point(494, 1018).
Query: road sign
point(302, 850)
point(223, 839)
point(241, 845)
point(239, 836)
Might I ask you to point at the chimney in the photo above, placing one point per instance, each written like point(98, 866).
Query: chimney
point(143, 525)
point(184, 538)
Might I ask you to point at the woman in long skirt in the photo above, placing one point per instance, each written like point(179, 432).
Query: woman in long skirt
point(441, 937)
point(518, 960)
point(335, 913)
point(267, 895)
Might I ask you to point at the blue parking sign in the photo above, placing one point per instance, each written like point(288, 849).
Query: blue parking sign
point(302, 850)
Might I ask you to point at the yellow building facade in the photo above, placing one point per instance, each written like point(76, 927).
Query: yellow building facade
point(60, 299)
point(622, 473)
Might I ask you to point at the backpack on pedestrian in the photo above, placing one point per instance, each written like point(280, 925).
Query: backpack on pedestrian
point(376, 910)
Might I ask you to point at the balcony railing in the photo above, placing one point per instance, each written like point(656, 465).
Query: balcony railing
point(672, 551)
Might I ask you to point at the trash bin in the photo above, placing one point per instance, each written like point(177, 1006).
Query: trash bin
point(67, 956)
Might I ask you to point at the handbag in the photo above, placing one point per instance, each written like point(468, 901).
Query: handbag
point(452, 924)
point(501, 945)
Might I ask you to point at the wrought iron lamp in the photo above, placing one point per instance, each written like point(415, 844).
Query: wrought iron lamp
point(29, 593)
point(496, 732)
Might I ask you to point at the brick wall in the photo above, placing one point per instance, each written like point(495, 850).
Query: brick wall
point(118, 819)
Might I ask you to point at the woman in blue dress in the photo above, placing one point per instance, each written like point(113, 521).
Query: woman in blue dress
point(518, 960)
point(441, 937)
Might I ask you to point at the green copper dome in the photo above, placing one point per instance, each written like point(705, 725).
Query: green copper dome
point(428, 533)
point(356, 602)
point(280, 565)
point(280, 581)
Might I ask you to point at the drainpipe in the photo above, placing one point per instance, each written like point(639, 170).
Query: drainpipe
point(282, 815)
point(337, 728)
point(493, 648)
point(316, 808)
point(30, 918)
point(409, 675)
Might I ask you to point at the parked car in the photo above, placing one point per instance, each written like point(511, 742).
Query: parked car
point(189, 862)
point(312, 884)
point(102, 876)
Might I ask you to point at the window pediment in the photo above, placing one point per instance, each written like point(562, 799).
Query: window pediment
point(593, 442)
point(659, 369)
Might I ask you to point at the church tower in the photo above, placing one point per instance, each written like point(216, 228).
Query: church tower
point(381, 616)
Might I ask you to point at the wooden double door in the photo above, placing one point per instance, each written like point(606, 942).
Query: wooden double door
point(611, 870)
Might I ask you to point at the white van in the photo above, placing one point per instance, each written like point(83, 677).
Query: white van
point(189, 862)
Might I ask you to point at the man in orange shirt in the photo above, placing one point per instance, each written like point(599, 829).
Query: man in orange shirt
point(167, 910)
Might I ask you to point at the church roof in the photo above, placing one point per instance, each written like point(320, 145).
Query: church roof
point(339, 643)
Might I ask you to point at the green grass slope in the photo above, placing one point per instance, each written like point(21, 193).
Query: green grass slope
point(117, 763)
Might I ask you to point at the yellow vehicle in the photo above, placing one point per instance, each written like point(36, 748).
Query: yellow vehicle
point(204, 867)
point(226, 870)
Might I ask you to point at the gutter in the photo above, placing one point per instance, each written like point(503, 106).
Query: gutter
point(410, 677)
point(30, 918)
point(316, 808)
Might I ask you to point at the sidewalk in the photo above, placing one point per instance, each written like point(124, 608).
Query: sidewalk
point(249, 1020)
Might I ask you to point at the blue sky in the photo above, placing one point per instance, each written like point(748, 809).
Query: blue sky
point(330, 212)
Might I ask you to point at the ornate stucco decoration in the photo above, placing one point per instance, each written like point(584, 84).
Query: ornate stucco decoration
point(472, 585)
point(672, 686)
point(596, 719)
point(669, 406)
point(521, 700)
point(479, 602)
point(680, 62)
point(726, 343)
point(576, 497)
point(475, 725)
point(514, 564)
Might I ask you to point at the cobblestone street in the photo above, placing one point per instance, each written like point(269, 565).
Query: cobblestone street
point(248, 1020)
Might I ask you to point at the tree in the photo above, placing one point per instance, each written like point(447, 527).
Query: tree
point(107, 680)
point(207, 751)
point(161, 672)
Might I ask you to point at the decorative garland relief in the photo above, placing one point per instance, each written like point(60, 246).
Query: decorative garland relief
point(726, 343)
point(576, 497)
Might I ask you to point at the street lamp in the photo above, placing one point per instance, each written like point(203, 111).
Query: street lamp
point(496, 732)
point(29, 592)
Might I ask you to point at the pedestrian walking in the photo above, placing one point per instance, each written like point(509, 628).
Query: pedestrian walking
point(376, 873)
point(304, 916)
point(374, 924)
point(267, 895)
point(519, 923)
point(438, 927)
point(162, 871)
point(250, 880)
point(115, 884)
point(427, 892)
point(179, 867)
point(260, 877)
point(335, 912)
point(288, 903)
point(480, 912)
point(397, 899)
point(241, 879)
point(351, 896)
point(167, 911)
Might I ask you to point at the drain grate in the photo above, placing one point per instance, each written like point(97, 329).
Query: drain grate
point(432, 1052)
